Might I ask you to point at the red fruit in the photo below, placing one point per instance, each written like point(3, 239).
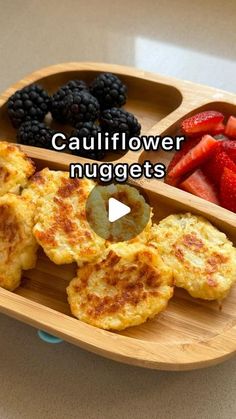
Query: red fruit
point(172, 181)
point(186, 146)
point(228, 190)
point(194, 158)
point(230, 128)
point(219, 129)
point(230, 148)
point(199, 185)
point(214, 167)
point(203, 122)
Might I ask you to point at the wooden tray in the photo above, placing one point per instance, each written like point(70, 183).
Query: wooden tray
point(190, 333)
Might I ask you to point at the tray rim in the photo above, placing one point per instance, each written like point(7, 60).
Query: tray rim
point(167, 191)
point(184, 85)
point(203, 95)
point(187, 356)
point(114, 346)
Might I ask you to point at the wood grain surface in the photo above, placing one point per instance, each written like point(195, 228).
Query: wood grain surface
point(191, 333)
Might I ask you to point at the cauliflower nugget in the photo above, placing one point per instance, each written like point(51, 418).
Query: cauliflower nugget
point(15, 168)
point(128, 285)
point(18, 246)
point(61, 227)
point(202, 258)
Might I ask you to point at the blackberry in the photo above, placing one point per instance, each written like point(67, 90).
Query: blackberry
point(58, 98)
point(80, 107)
point(31, 102)
point(118, 120)
point(75, 84)
point(109, 91)
point(36, 134)
point(88, 130)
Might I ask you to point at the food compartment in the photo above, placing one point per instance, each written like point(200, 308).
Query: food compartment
point(46, 284)
point(41, 301)
point(208, 179)
point(165, 157)
point(148, 100)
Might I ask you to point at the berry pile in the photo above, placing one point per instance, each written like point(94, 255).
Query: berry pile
point(88, 109)
point(206, 164)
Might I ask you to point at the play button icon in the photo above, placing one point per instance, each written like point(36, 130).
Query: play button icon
point(117, 212)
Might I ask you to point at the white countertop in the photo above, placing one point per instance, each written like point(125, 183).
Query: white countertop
point(190, 40)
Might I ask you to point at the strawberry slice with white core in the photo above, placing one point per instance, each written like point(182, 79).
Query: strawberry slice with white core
point(195, 157)
point(203, 122)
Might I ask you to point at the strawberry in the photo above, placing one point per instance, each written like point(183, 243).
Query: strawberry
point(186, 146)
point(217, 130)
point(230, 148)
point(214, 167)
point(230, 128)
point(194, 158)
point(199, 185)
point(228, 190)
point(203, 122)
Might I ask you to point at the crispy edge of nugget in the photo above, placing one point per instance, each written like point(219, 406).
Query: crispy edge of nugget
point(16, 224)
point(15, 168)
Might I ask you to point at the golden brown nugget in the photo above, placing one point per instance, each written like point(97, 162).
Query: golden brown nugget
point(202, 258)
point(18, 247)
point(129, 284)
point(15, 168)
point(61, 227)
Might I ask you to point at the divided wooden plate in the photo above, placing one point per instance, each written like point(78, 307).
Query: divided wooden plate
point(190, 333)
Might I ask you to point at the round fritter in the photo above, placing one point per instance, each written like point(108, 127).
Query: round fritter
point(128, 285)
point(15, 168)
point(202, 258)
point(18, 246)
point(61, 227)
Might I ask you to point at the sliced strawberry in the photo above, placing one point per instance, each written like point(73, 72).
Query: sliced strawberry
point(187, 145)
point(228, 190)
point(230, 128)
point(199, 185)
point(203, 122)
point(172, 181)
point(194, 158)
point(214, 167)
point(230, 148)
point(218, 129)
